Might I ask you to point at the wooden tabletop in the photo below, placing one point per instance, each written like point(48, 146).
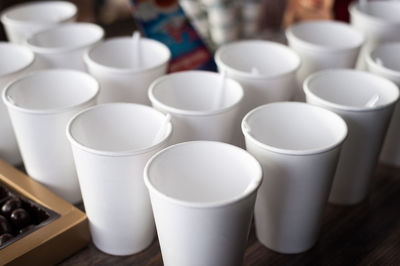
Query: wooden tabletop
point(364, 234)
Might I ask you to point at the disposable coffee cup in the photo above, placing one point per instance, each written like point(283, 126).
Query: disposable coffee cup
point(366, 102)
point(379, 21)
point(16, 60)
point(298, 147)
point(40, 104)
point(203, 105)
point(323, 45)
point(111, 144)
point(65, 45)
point(202, 194)
point(266, 70)
point(126, 71)
point(384, 60)
point(23, 20)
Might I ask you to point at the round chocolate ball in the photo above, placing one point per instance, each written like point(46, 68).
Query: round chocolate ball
point(20, 218)
point(4, 238)
point(9, 206)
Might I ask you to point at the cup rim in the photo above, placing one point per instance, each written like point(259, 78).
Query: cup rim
point(248, 75)
point(116, 70)
point(290, 35)
point(370, 61)
point(61, 49)
point(355, 10)
point(30, 62)
point(52, 110)
point(293, 152)
point(307, 90)
point(201, 205)
point(185, 112)
point(4, 16)
point(124, 153)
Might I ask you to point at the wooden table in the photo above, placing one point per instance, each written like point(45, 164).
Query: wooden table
point(364, 234)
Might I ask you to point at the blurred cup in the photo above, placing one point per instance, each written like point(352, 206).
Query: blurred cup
point(111, 144)
point(266, 71)
point(203, 194)
point(64, 46)
point(23, 20)
point(203, 105)
point(298, 146)
point(16, 60)
point(384, 60)
point(323, 45)
point(379, 21)
point(366, 102)
point(125, 71)
point(40, 104)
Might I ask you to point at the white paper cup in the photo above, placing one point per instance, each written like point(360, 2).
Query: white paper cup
point(379, 21)
point(111, 144)
point(323, 45)
point(64, 46)
point(23, 20)
point(125, 74)
point(298, 146)
point(40, 104)
point(350, 94)
point(16, 60)
point(203, 195)
point(266, 71)
point(384, 60)
point(202, 105)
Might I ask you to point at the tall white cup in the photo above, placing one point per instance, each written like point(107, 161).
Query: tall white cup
point(111, 144)
point(125, 71)
point(379, 21)
point(322, 45)
point(266, 70)
point(40, 104)
point(203, 194)
point(366, 102)
point(384, 60)
point(23, 20)
point(203, 105)
point(16, 60)
point(64, 46)
point(298, 146)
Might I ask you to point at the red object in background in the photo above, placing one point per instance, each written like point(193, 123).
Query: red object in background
point(341, 10)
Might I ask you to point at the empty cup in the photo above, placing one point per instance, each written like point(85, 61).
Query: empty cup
point(366, 102)
point(384, 60)
point(203, 194)
point(298, 147)
point(266, 71)
point(322, 45)
point(125, 67)
point(64, 46)
point(16, 60)
point(379, 21)
point(111, 144)
point(23, 20)
point(40, 104)
point(203, 105)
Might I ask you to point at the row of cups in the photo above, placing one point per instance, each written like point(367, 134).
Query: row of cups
point(202, 191)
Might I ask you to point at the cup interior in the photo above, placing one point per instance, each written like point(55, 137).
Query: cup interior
point(67, 36)
point(14, 58)
point(388, 55)
point(385, 10)
point(326, 34)
point(268, 58)
point(349, 89)
point(42, 12)
point(119, 53)
point(51, 90)
point(118, 128)
point(196, 91)
point(294, 128)
point(203, 172)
